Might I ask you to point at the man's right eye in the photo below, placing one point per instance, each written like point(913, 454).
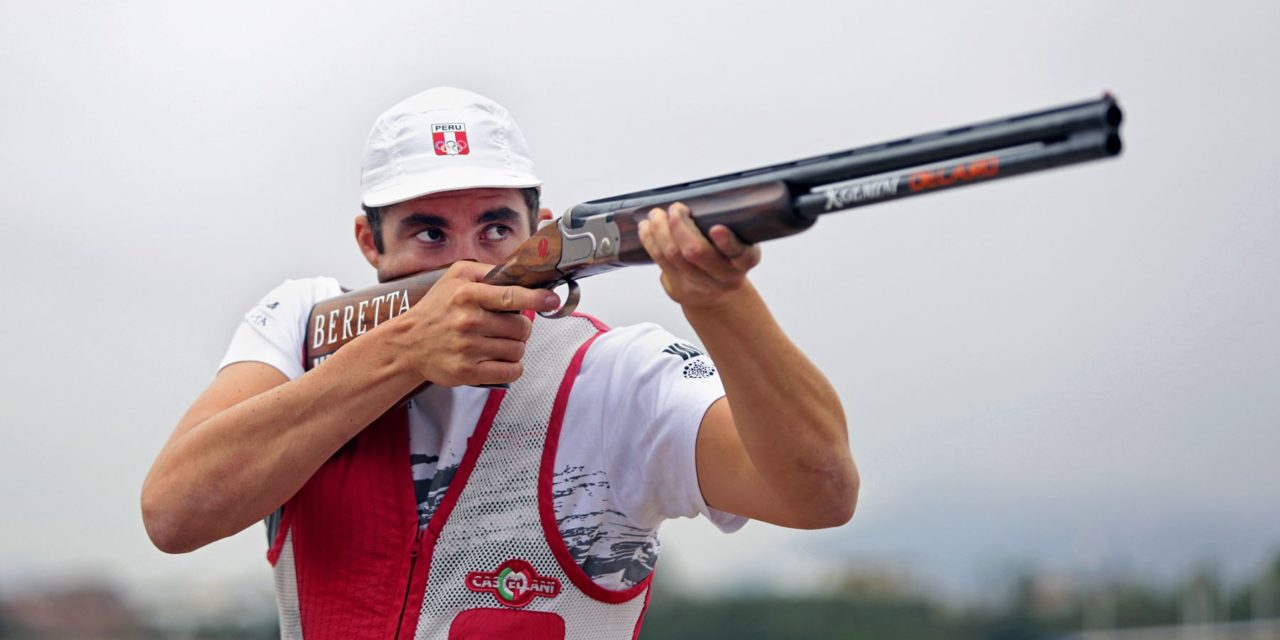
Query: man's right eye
point(433, 236)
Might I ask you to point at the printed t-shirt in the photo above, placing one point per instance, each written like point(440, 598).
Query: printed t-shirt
point(625, 461)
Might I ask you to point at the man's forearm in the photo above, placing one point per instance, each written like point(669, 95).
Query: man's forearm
point(787, 415)
point(236, 466)
point(252, 439)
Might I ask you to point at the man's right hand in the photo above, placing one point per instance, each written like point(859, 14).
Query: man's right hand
point(465, 332)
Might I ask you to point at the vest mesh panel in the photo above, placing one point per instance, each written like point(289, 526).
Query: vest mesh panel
point(287, 592)
point(496, 517)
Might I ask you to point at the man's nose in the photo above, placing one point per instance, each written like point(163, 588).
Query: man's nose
point(467, 250)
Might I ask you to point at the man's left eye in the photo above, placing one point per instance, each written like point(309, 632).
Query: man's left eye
point(431, 235)
point(496, 232)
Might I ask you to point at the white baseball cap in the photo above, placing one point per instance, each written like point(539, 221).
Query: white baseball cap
point(443, 139)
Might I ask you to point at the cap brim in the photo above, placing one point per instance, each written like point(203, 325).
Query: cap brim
point(440, 181)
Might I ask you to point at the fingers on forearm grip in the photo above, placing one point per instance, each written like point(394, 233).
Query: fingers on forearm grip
point(655, 235)
point(696, 250)
point(687, 247)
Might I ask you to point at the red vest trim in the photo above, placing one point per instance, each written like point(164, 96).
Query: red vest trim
point(427, 538)
point(547, 509)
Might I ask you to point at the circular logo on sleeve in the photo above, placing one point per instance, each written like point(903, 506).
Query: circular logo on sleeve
point(698, 369)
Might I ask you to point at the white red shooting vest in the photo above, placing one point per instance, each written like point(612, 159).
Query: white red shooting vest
point(351, 561)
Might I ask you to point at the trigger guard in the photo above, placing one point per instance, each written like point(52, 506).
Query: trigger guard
point(570, 302)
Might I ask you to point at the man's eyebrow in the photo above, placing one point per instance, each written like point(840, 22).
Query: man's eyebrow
point(418, 220)
point(501, 214)
point(415, 220)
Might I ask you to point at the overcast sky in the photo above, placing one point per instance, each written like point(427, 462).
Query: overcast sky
point(1076, 369)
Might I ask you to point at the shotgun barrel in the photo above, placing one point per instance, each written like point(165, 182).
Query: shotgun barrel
point(757, 204)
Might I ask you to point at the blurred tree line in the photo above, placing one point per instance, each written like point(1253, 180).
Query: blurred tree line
point(1034, 607)
point(859, 608)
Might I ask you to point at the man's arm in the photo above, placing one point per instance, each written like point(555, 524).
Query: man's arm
point(776, 448)
point(253, 438)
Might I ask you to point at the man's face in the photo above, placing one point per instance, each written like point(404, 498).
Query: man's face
point(433, 231)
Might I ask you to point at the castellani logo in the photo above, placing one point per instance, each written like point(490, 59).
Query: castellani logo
point(514, 583)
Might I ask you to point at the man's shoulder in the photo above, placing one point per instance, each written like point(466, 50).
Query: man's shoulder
point(272, 330)
point(643, 353)
point(287, 303)
point(645, 339)
point(312, 289)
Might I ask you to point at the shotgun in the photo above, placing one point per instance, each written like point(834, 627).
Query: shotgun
point(757, 205)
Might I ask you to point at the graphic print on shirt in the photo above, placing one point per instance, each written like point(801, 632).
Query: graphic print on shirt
point(430, 483)
point(262, 313)
point(599, 540)
point(598, 536)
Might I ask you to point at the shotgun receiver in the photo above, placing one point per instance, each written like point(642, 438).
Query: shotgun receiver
point(759, 204)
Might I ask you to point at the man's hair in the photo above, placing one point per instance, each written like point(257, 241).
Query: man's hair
point(531, 195)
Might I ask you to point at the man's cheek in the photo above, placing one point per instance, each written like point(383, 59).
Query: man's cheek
point(509, 247)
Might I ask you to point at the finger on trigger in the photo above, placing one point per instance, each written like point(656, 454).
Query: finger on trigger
point(513, 298)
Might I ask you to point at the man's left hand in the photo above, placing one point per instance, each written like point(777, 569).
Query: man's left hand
point(697, 272)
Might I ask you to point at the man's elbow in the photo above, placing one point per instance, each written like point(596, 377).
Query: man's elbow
point(834, 500)
point(166, 528)
point(845, 504)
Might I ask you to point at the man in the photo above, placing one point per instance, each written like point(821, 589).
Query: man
point(533, 509)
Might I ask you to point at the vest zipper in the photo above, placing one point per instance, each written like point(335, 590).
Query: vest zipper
point(408, 587)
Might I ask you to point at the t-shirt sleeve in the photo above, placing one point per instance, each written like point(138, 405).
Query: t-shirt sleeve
point(273, 330)
point(655, 390)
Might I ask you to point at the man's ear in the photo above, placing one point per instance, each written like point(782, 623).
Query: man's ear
point(544, 216)
point(364, 238)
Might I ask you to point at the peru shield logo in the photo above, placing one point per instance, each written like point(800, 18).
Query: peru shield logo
point(514, 583)
point(450, 139)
